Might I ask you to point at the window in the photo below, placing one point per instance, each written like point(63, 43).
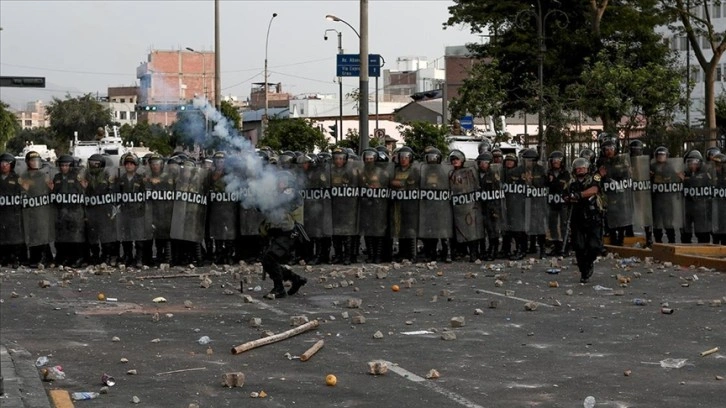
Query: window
point(674, 43)
point(716, 10)
point(132, 115)
point(718, 74)
point(682, 43)
point(705, 44)
point(122, 115)
point(28, 123)
point(123, 100)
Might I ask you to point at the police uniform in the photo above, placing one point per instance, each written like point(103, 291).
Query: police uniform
point(586, 223)
point(11, 226)
point(70, 218)
point(491, 208)
point(557, 182)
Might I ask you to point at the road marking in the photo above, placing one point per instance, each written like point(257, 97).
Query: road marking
point(271, 308)
point(61, 399)
point(431, 385)
point(513, 297)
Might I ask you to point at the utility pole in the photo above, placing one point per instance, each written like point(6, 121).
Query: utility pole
point(217, 59)
point(363, 103)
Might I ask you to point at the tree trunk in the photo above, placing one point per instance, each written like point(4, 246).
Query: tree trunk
point(710, 98)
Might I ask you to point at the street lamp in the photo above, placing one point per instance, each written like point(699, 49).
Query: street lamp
point(339, 134)
point(541, 21)
point(204, 69)
point(363, 55)
point(267, 40)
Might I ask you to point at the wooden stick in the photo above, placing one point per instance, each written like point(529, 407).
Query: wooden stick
point(277, 337)
point(312, 350)
point(181, 371)
point(179, 275)
point(707, 352)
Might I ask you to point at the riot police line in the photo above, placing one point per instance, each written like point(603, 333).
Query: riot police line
point(174, 211)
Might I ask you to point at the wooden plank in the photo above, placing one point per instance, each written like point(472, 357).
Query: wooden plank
point(627, 252)
point(667, 253)
point(709, 250)
point(628, 241)
point(61, 399)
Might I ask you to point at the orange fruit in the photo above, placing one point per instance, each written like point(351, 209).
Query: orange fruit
point(395, 288)
point(101, 296)
point(331, 380)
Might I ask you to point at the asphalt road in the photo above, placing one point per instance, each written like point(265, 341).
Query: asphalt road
point(570, 347)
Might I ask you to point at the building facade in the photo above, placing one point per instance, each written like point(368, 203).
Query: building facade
point(122, 104)
point(33, 116)
point(174, 78)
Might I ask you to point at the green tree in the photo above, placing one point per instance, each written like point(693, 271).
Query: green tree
point(418, 135)
point(155, 137)
point(36, 136)
point(296, 134)
point(352, 140)
point(232, 115)
point(83, 114)
point(482, 92)
point(8, 125)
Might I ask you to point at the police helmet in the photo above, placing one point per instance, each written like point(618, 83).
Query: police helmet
point(712, 151)
point(580, 163)
point(433, 156)
point(694, 156)
point(556, 155)
point(456, 154)
point(382, 156)
point(588, 154)
point(530, 154)
point(636, 147)
point(350, 151)
point(31, 156)
point(484, 146)
point(324, 157)
point(485, 157)
point(97, 158)
point(661, 150)
point(129, 158)
point(369, 155)
point(8, 158)
point(65, 159)
point(497, 153)
point(511, 157)
point(719, 158)
point(286, 158)
point(219, 155)
point(264, 155)
point(404, 152)
point(339, 152)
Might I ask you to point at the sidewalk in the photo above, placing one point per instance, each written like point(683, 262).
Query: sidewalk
point(21, 383)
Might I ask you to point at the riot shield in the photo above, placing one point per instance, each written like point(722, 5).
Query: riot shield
point(101, 208)
point(317, 202)
point(491, 199)
point(11, 211)
point(436, 215)
point(188, 219)
point(404, 202)
point(222, 209)
point(535, 209)
point(515, 199)
point(344, 194)
point(373, 181)
point(698, 202)
point(160, 202)
point(69, 201)
point(468, 225)
point(131, 221)
point(38, 211)
point(667, 194)
point(642, 213)
point(719, 201)
point(618, 189)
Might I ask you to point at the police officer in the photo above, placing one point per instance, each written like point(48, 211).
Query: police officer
point(719, 199)
point(615, 172)
point(534, 176)
point(698, 191)
point(11, 237)
point(497, 156)
point(345, 223)
point(373, 219)
point(221, 212)
point(662, 173)
point(132, 212)
point(491, 206)
point(100, 223)
point(38, 214)
point(586, 222)
point(436, 179)
point(558, 180)
point(404, 213)
point(161, 184)
point(515, 228)
point(279, 228)
point(70, 231)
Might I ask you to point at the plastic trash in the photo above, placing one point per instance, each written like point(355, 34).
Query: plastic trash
point(639, 302)
point(600, 288)
point(204, 340)
point(673, 362)
point(553, 271)
point(80, 396)
point(41, 361)
point(53, 373)
point(589, 402)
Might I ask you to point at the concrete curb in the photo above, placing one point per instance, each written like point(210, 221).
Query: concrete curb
point(21, 384)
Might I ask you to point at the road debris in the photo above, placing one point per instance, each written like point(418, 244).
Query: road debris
point(277, 337)
point(232, 380)
point(312, 350)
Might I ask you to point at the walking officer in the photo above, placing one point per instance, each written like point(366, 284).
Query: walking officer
point(586, 222)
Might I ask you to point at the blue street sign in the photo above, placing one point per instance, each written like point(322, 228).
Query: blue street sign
point(467, 122)
point(348, 65)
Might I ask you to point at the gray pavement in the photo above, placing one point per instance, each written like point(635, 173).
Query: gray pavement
point(22, 387)
point(581, 340)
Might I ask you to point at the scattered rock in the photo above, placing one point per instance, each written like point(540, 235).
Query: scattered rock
point(433, 374)
point(508, 293)
point(458, 321)
point(188, 304)
point(255, 322)
point(124, 360)
point(381, 274)
point(298, 320)
point(115, 339)
point(358, 319)
point(448, 335)
point(254, 394)
point(103, 390)
point(354, 303)
point(627, 373)
point(530, 306)
point(344, 315)
point(231, 380)
point(205, 282)
point(445, 293)
point(719, 377)
point(132, 372)
point(155, 317)
point(378, 335)
point(569, 292)
point(135, 399)
point(498, 283)
point(377, 367)
point(715, 303)
point(156, 340)
point(554, 284)
point(44, 283)
point(247, 299)
point(478, 312)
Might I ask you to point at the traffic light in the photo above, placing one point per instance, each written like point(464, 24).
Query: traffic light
point(22, 82)
point(146, 108)
point(333, 130)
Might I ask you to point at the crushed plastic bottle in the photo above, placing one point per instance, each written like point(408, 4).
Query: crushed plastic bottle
point(204, 340)
point(600, 288)
point(589, 402)
point(41, 361)
point(80, 396)
point(554, 271)
point(639, 302)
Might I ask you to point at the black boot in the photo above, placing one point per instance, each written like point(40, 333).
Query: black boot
point(492, 250)
point(532, 244)
point(139, 254)
point(556, 249)
point(648, 236)
point(506, 246)
point(353, 244)
point(278, 291)
point(541, 240)
point(338, 250)
point(297, 282)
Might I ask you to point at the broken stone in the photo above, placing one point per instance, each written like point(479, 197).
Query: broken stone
point(378, 335)
point(124, 360)
point(377, 367)
point(155, 317)
point(358, 319)
point(44, 283)
point(530, 306)
point(188, 304)
point(255, 322)
point(715, 303)
point(445, 293)
point(205, 282)
point(381, 274)
point(344, 315)
point(115, 339)
point(498, 283)
point(458, 321)
point(478, 312)
point(298, 320)
point(568, 292)
point(254, 394)
point(493, 304)
point(135, 399)
point(103, 390)
point(231, 380)
point(448, 335)
point(247, 299)
point(627, 373)
point(354, 303)
point(156, 340)
point(131, 372)
point(433, 374)
point(554, 284)
point(228, 292)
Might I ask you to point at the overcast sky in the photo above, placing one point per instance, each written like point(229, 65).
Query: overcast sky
point(86, 46)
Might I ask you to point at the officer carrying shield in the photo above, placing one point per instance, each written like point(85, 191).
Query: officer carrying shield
point(558, 180)
point(70, 231)
point(586, 221)
point(11, 238)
